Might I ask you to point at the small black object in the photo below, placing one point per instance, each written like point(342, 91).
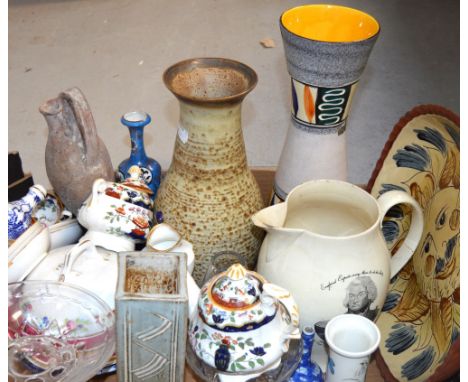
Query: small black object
point(20, 188)
point(15, 167)
point(320, 329)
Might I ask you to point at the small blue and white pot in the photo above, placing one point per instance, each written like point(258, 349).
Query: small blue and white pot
point(20, 212)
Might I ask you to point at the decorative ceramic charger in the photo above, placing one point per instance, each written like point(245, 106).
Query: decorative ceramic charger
point(420, 320)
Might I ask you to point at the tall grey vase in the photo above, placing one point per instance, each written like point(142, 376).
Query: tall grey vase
point(326, 49)
point(151, 308)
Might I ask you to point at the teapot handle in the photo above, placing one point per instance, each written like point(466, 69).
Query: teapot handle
point(285, 297)
point(406, 250)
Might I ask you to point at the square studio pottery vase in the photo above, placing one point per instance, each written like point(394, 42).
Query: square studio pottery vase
point(151, 308)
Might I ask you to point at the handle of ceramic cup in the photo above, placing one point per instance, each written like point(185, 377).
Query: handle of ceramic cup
point(285, 297)
point(72, 255)
point(404, 253)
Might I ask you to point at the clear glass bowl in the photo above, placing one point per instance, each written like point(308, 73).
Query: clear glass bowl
point(57, 332)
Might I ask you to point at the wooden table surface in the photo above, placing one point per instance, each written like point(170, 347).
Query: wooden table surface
point(373, 375)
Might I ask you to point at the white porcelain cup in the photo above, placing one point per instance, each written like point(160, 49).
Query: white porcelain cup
point(351, 339)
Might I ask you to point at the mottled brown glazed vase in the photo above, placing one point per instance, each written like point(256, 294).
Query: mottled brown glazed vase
point(209, 193)
point(75, 155)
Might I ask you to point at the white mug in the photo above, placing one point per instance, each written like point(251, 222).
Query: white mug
point(351, 339)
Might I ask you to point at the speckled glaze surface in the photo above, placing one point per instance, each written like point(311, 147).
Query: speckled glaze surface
point(326, 48)
point(325, 64)
point(208, 193)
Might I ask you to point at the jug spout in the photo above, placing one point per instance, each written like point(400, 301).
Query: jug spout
point(271, 217)
point(53, 113)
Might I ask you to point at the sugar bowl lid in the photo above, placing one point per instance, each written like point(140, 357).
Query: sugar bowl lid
point(135, 180)
point(236, 289)
point(232, 300)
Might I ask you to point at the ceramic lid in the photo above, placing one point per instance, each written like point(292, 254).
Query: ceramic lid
point(132, 190)
point(232, 300)
point(236, 288)
point(135, 180)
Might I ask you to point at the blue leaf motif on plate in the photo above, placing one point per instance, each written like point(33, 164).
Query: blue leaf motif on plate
point(400, 339)
point(418, 365)
point(391, 301)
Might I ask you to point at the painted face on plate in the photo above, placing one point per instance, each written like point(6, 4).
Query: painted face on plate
point(436, 262)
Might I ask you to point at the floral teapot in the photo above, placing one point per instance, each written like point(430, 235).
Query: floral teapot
point(243, 324)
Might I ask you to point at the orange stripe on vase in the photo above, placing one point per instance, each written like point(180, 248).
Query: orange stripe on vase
point(309, 103)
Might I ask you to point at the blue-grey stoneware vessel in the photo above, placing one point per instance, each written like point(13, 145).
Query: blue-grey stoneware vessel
point(151, 308)
point(150, 168)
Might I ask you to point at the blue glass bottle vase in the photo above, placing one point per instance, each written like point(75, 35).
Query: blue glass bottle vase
point(307, 370)
point(150, 168)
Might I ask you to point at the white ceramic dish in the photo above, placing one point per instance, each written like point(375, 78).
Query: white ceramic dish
point(65, 233)
point(27, 251)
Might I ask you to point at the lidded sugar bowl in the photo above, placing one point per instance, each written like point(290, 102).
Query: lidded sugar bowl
point(118, 215)
point(243, 324)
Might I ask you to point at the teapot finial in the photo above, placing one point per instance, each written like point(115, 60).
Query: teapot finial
point(236, 272)
point(135, 173)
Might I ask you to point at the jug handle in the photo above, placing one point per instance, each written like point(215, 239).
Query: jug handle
point(84, 119)
point(404, 253)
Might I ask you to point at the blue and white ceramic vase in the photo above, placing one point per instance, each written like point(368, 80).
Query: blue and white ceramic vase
point(151, 169)
point(307, 371)
point(20, 212)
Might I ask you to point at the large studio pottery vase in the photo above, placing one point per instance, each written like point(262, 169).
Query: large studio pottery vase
point(151, 307)
point(150, 168)
point(326, 48)
point(325, 245)
point(75, 156)
point(209, 193)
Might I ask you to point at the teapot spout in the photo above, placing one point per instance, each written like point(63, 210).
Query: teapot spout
point(271, 217)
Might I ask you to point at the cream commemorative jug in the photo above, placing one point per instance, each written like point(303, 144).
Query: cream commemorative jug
point(325, 245)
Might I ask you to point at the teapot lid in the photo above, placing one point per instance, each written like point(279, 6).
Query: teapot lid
point(232, 301)
point(236, 289)
point(135, 180)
